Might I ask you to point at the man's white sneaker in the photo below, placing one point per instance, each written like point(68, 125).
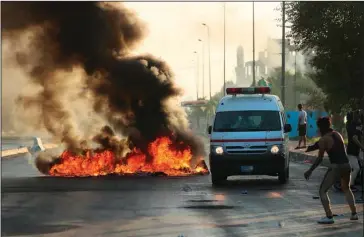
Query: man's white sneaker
point(354, 217)
point(326, 220)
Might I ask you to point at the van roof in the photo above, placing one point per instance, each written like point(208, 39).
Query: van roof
point(249, 102)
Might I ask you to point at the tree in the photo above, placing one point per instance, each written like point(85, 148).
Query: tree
point(334, 31)
point(304, 85)
point(209, 110)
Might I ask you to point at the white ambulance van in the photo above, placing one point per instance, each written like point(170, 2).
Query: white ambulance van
point(249, 135)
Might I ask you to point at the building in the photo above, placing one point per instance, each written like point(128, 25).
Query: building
point(268, 60)
point(240, 66)
point(260, 70)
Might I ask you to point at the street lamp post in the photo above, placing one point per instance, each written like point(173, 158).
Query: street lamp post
point(224, 46)
point(197, 73)
point(203, 68)
point(208, 38)
point(253, 47)
point(283, 82)
point(295, 77)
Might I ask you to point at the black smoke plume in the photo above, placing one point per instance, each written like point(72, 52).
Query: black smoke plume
point(133, 93)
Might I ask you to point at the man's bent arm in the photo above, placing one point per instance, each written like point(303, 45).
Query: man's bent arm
point(320, 155)
point(313, 147)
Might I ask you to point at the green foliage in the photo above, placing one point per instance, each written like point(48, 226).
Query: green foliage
point(297, 86)
point(316, 98)
point(209, 110)
point(335, 32)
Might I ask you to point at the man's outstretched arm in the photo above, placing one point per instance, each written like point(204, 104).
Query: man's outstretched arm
point(313, 147)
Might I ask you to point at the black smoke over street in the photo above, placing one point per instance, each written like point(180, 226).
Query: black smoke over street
point(134, 94)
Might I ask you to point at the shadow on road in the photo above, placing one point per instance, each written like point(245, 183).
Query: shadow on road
point(29, 227)
point(251, 183)
point(103, 183)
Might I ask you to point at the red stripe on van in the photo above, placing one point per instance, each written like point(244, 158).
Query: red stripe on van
point(248, 140)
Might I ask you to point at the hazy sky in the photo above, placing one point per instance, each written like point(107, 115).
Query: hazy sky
point(175, 27)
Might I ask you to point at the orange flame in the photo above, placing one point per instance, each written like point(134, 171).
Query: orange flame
point(165, 159)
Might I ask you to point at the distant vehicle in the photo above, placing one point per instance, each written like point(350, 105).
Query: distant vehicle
point(249, 135)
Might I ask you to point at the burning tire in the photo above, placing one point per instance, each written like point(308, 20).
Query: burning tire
point(44, 162)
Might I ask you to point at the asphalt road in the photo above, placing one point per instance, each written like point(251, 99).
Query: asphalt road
point(33, 205)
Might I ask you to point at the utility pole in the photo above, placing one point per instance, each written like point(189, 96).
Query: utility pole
point(197, 73)
point(208, 38)
point(203, 68)
point(253, 47)
point(295, 77)
point(283, 82)
point(224, 46)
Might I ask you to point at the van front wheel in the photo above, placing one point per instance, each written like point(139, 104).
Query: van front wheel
point(217, 179)
point(284, 176)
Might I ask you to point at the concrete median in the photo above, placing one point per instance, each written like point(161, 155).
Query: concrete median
point(307, 158)
point(23, 145)
point(23, 150)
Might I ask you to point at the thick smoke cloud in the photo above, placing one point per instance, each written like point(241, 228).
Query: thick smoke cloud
point(134, 94)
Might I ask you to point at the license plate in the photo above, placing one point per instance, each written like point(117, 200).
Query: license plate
point(246, 169)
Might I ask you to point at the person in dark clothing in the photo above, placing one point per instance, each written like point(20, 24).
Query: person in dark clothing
point(354, 130)
point(332, 142)
point(361, 160)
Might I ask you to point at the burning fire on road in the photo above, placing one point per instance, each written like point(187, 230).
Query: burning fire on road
point(165, 161)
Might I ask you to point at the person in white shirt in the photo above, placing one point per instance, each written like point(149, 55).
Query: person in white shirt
point(302, 126)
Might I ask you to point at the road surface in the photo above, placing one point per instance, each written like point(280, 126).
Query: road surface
point(33, 205)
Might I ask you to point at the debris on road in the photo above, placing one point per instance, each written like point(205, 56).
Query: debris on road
point(244, 192)
point(187, 188)
point(281, 224)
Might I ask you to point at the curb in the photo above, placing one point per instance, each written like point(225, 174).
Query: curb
point(14, 152)
point(300, 157)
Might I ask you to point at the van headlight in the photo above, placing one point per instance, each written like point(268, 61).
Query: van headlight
point(274, 149)
point(219, 150)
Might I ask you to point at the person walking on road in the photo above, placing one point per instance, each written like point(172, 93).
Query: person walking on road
point(302, 126)
point(332, 142)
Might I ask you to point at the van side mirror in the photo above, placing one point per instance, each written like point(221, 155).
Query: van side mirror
point(209, 129)
point(287, 128)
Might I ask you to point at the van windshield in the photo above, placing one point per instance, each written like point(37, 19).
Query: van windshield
point(244, 121)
